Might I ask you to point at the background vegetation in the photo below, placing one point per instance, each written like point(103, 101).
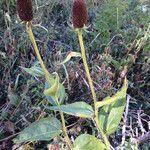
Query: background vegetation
point(115, 28)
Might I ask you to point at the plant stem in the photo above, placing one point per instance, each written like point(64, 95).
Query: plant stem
point(91, 87)
point(32, 39)
point(102, 133)
point(31, 36)
point(65, 130)
point(86, 66)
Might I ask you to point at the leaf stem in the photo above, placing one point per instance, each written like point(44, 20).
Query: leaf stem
point(91, 87)
point(47, 75)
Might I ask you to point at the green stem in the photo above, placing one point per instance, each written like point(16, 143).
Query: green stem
point(31, 36)
point(102, 133)
point(86, 66)
point(32, 39)
point(65, 131)
point(96, 119)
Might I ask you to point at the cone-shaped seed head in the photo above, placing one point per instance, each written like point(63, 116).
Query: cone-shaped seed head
point(24, 8)
point(79, 14)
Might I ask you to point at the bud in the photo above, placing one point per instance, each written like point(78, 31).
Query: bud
point(79, 14)
point(24, 8)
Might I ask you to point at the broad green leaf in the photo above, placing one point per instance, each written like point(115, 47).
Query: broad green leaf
point(88, 142)
point(80, 109)
point(59, 95)
point(70, 55)
point(110, 115)
point(44, 129)
point(34, 71)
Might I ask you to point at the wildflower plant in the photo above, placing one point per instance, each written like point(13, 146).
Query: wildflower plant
point(24, 8)
point(105, 114)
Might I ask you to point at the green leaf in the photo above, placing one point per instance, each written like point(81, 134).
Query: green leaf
point(56, 92)
point(110, 115)
point(44, 129)
point(88, 142)
point(80, 109)
point(34, 71)
point(119, 95)
point(70, 55)
point(54, 88)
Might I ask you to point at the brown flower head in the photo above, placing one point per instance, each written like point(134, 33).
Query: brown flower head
point(24, 8)
point(79, 14)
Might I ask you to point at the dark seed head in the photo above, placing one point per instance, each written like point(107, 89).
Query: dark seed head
point(24, 9)
point(79, 14)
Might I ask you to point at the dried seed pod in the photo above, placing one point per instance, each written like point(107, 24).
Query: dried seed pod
point(24, 9)
point(79, 14)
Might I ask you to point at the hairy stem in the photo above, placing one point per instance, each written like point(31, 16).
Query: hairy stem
point(91, 87)
point(32, 39)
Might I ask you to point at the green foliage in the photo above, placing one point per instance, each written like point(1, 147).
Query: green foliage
point(110, 115)
point(109, 19)
point(56, 93)
point(35, 71)
point(120, 17)
point(80, 109)
point(88, 142)
point(44, 130)
point(54, 87)
point(12, 2)
point(119, 25)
